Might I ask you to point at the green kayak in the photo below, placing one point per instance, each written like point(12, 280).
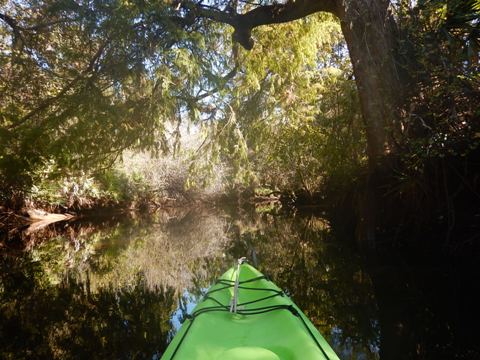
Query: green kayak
point(245, 316)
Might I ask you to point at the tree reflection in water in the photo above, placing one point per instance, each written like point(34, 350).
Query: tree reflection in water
point(119, 289)
point(322, 275)
point(67, 320)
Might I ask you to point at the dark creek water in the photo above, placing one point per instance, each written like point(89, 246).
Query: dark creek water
point(119, 287)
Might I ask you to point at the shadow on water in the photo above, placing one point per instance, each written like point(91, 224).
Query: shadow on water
point(118, 287)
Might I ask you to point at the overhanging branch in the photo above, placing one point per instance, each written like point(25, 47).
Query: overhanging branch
point(17, 34)
point(262, 15)
point(9, 20)
point(49, 101)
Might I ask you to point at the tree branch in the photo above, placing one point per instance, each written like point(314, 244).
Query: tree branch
point(14, 23)
point(9, 21)
point(49, 101)
point(17, 40)
point(262, 15)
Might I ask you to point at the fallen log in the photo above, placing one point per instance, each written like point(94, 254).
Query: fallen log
point(40, 215)
point(40, 219)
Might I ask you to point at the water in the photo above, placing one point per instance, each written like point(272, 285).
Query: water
point(120, 286)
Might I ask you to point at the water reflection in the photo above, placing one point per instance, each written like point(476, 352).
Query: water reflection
point(120, 288)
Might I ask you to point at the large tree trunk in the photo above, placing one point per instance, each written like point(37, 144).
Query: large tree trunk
point(369, 33)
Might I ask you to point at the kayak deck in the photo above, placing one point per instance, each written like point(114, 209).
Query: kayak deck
point(267, 325)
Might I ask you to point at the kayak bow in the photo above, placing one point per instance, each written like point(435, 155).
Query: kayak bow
point(245, 316)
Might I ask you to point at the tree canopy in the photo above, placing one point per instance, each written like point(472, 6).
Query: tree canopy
point(82, 81)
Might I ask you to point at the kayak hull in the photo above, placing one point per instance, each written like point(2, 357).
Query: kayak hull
point(266, 326)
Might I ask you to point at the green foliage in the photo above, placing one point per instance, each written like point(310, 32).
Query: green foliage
point(116, 184)
point(442, 41)
point(78, 190)
point(85, 81)
point(297, 107)
point(80, 82)
point(290, 116)
point(137, 180)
